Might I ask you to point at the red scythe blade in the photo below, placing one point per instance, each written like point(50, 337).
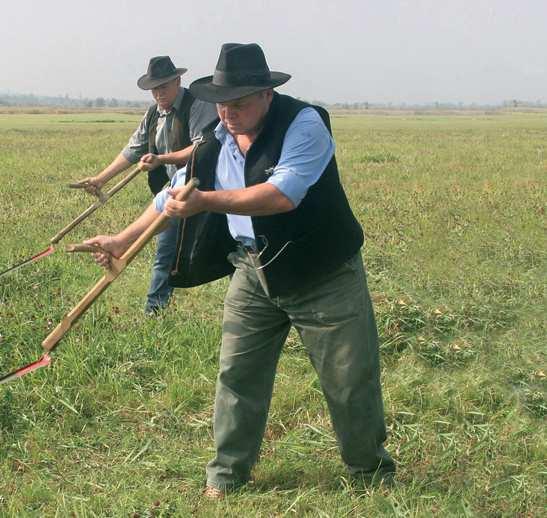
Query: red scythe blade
point(44, 361)
point(44, 253)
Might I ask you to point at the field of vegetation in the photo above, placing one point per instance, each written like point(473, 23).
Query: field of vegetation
point(120, 424)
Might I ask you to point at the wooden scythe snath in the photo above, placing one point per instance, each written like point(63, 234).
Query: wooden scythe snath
point(103, 198)
point(117, 266)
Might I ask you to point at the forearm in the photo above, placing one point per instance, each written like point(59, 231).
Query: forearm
point(259, 200)
point(131, 233)
point(178, 158)
point(116, 246)
point(119, 164)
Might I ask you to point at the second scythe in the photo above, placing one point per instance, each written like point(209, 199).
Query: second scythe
point(117, 267)
point(103, 198)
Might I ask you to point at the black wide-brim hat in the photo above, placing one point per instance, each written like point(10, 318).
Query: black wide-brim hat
point(241, 70)
point(160, 70)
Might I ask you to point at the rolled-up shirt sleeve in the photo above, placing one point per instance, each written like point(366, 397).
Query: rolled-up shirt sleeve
point(138, 143)
point(178, 179)
point(307, 149)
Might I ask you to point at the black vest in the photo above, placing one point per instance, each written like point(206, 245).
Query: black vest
point(179, 137)
point(297, 247)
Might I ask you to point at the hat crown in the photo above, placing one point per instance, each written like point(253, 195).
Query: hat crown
point(241, 65)
point(241, 71)
point(161, 66)
point(160, 70)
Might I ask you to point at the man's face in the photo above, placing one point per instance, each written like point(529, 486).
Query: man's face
point(245, 116)
point(166, 93)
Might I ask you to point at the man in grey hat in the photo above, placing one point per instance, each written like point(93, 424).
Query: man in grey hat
point(162, 143)
point(271, 212)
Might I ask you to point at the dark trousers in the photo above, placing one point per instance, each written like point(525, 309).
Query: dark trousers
point(335, 320)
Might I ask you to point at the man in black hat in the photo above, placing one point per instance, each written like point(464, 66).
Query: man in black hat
point(270, 211)
point(162, 142)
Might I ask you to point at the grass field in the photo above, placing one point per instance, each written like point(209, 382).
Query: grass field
point(120, 424)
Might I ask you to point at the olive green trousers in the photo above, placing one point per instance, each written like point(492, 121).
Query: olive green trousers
point(335, 320)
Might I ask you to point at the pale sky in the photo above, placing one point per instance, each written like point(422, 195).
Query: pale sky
point(412, 51)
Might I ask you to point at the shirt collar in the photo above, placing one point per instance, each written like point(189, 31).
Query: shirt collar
point(226, 139)
point(221, 133)
point(176, 104)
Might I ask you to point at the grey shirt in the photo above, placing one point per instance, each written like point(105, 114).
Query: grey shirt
point(201, 114)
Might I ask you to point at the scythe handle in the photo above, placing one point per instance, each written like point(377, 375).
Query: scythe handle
point(91, 209)
point(153, 229)
point(86, 213)
point(53, 339)
point(81, 247)
point(123, 182)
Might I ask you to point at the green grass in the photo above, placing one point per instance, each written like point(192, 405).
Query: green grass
point(120, 424)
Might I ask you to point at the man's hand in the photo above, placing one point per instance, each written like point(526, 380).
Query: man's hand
point(92, 185)
point(112, 246)
point(150, 161)
point(194, 204)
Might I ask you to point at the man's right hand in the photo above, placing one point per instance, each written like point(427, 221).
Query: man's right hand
point(92, 185)
point(149, 162)
point(111, 246)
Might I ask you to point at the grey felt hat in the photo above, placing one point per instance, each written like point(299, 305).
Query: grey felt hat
point(160, 70)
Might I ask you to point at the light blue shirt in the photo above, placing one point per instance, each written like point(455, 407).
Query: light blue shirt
point(307, 149)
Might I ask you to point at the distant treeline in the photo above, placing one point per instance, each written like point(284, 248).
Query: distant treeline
point(512, 103)
point(68, 102)
point(65, 101)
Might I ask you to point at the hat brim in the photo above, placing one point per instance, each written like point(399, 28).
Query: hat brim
point(205, 90)
point(145, 83)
